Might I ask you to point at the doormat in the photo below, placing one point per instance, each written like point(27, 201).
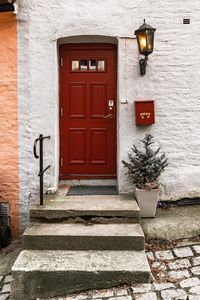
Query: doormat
point(92, 190)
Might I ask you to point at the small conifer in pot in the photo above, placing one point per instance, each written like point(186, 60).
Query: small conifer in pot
point(144, 168)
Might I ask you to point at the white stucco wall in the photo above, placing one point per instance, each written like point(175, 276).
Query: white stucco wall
point(172, 80)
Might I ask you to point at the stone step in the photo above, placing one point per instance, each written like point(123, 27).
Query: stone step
point(55, 236)
point(87, 209)
point(43, 274)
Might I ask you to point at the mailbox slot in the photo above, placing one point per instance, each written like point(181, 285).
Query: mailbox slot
point(144, 112)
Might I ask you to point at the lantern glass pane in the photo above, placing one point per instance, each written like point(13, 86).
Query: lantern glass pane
point(150, 38)
point(142, 42)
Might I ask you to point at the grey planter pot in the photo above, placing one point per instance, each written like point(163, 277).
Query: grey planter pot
point(147, 201)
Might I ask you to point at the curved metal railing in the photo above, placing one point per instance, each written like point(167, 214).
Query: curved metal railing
point(41, 168)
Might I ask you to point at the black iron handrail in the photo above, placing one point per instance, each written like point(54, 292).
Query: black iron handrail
point(42, 171)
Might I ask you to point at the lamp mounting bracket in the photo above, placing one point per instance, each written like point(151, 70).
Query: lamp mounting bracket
point(143, 65)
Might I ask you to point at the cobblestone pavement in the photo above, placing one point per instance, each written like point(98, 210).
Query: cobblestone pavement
point(175, 275)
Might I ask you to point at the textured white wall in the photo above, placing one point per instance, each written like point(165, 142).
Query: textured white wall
point(172, 80)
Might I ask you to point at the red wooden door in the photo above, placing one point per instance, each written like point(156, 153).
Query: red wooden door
point(88, 111)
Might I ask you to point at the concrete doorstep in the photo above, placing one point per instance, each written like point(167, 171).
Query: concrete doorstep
point(61, 257)
point(78, 243)
point(51, 273)
point(175, 275)
point(61, 236)
point(95, 209)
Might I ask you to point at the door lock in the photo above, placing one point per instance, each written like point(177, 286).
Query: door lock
point(110, 103)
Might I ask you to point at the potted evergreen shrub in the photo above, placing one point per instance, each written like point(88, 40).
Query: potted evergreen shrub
point(144, 168)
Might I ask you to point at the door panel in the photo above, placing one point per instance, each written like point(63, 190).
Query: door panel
point(87, 123)
point(77, 146)
point(98, 100)
point(98, 148)
point(77, 100)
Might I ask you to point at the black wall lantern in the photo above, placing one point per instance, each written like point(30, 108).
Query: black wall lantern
point(145, 39)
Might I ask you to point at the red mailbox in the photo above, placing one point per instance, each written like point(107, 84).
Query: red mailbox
point(144, 112)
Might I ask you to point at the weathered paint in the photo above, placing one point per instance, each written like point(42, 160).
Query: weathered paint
point(9, 179)
point(172, 80)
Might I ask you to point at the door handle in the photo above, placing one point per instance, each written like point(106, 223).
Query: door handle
point(109, 116)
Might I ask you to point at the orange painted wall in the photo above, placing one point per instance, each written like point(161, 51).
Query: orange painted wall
point(9, 180)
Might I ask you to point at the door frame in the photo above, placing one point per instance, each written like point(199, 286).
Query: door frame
point(89, 46)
